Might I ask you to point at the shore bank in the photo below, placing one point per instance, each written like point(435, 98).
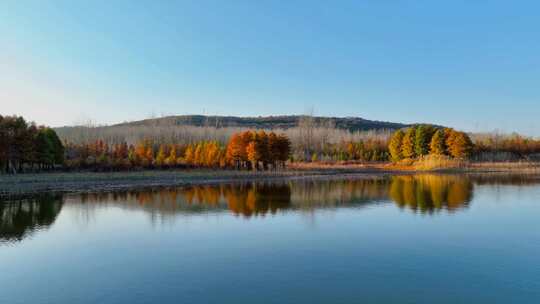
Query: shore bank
point(73, 182)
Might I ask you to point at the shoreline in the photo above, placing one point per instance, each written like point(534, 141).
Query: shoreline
point(84, 182)
point(88, 182)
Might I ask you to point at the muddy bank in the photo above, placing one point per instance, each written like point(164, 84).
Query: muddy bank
point(23, 184)
point(27, 184)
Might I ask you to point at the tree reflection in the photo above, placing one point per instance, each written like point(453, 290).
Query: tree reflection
point(246, 199)
point(426, 193)
point(249, 199)
point(20, 218)
point(258, 199)
point(430, 193)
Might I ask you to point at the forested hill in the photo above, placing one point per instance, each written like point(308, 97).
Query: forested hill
point(269, 122)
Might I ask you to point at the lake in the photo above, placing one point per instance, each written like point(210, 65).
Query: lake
point(395, 239)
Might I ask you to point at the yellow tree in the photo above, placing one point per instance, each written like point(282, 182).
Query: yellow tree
point(189, 155)
point(161, 156)
point(211, 154)
point(459, 144)
point(171, 159)
point(198, 155)
point(407, 145)
point(394, 146)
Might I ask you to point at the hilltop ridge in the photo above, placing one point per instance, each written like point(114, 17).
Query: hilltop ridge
point(265, 122)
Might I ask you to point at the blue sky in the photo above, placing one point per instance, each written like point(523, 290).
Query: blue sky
point(473, 65)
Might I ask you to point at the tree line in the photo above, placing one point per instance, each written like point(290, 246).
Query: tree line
point(424, 140)
point(311, 140)
point(27, 147)
point(495, 146)
point(245, 150)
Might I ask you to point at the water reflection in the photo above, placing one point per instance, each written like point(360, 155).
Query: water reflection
point(431, 193)
point(246, 199)
point(426, 194)
point(21, 218)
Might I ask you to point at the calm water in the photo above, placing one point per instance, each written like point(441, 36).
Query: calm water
point(408, 239)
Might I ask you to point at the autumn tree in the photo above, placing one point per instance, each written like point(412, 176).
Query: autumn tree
point(262, 144)
point(253, 154)
point(438, 145)
point(394, 146)
point(198, 154)
point(273, 147)
point(212, 151)
point(257, 149)
point(161, 156)
point(172, 158)
point(189, 155)
point(237, 148)
point(408, 143)
point(459, 144)
point(284, 149)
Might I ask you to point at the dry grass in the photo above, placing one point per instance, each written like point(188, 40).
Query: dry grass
point(428, 163)
point(438, 162)
point(336, 166)
point(521, 166)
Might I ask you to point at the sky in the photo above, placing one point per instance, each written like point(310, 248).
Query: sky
point(473, 65)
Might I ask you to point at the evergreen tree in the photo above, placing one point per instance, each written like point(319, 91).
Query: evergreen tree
point(422, 140)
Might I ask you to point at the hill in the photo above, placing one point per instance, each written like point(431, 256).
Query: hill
point(268, 122)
